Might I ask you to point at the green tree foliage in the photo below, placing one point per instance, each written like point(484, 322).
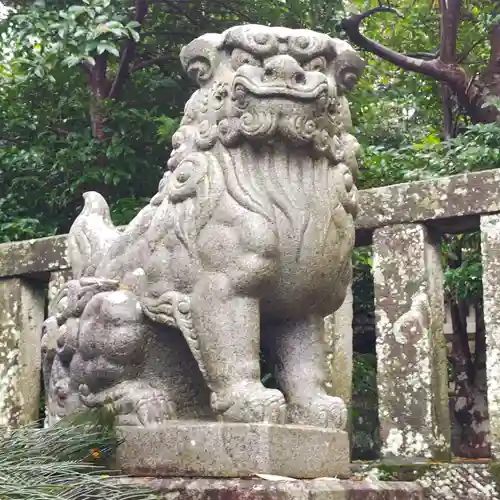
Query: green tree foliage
point(91, 92)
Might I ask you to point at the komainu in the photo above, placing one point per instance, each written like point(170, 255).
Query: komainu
point(246, 246)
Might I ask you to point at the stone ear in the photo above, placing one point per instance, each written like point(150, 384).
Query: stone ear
point(201, 57)
point(348, 66)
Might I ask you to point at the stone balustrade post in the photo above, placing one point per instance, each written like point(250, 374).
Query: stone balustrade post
point(411, 349)
point(490, 252)
point(338, 331)
point(22, 308)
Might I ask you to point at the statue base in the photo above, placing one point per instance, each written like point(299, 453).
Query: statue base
point(233, 450)
point(257, 489)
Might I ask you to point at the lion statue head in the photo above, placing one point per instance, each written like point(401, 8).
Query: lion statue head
point(260, 84)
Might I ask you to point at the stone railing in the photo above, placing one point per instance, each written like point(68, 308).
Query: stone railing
point(403, 223)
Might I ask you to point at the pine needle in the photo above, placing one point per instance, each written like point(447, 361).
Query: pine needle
point(64, 461)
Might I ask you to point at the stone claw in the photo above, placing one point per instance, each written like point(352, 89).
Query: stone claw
point(154, 409)
point(251, 403)
point(320, 411)
point(134, 403)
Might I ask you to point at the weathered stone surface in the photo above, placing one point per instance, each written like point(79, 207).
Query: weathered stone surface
point(459, 482)
point(338, 329)
point(339, 341)
point(33, 256)
point(490, 250)
point(454, 198)
point(53, 368)
point(411, 350)
point(440, 481)
point(22, 305)
point(217, 449)
point(257, 489)
point(57, 280)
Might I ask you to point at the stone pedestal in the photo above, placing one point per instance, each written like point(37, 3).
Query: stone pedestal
point(232, 450)
point(257, 489)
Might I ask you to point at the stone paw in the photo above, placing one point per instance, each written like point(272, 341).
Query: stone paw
point(153, 409)
point(250, 403)
point(319, 411)
point(134, 403)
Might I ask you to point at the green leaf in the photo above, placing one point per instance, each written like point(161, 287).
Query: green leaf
point(71, 60)
point(106, 47)
point(77, 10)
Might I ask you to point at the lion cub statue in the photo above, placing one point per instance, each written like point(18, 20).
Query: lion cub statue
point(246, 246)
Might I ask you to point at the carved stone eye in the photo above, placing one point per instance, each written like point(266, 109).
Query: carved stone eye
point(316, 64)
point(261, 38)
point(303, 42)
point(269, 73)
point(183, 177)
point(299, 78)
point(240, 57)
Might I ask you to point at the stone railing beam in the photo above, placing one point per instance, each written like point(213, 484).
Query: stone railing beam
point(455, 201)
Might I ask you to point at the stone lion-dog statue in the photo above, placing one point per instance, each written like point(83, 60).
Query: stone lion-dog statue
point(246, 246)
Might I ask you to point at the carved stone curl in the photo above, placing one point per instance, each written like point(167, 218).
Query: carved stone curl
point(247, 244)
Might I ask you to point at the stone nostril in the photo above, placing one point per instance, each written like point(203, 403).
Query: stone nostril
point(299, 78)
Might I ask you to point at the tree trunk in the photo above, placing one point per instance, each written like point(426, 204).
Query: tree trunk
point(99, 90)
point(478, 437)
point(450, 15)
point(469, 403)
point(97, 118)
point(491, 76)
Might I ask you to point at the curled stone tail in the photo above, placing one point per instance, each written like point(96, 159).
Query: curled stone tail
point(91, 235)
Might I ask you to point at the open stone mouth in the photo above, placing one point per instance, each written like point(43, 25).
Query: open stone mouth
point(243, 86)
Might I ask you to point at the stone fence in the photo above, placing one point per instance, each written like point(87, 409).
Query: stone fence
point(403, 223)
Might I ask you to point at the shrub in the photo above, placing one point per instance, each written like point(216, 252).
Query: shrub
point(66, 461)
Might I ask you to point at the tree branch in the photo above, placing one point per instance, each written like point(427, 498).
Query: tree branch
point(151, 62)
point(128, 52)
point(351, 26)
point(423, 55)
point(465, 54)
point(449, 22)
point(242, 15)
point(15, 141)
point(175, 7)
point(184, 34)
point(60, 131)
point(469, 94)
